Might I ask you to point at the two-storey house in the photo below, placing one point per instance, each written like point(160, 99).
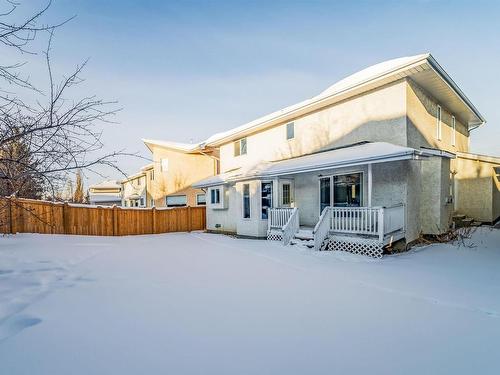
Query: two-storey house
point(374, 158)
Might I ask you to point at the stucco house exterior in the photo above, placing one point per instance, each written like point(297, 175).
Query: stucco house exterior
point(175, 167)
point(380, 156)
point(106, 193)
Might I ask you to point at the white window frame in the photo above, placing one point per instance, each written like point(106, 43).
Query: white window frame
point(239, 143)
point(243, 202)
point(152, 202)
point(453, 131)
point(197, 202)
point(260, 196)
point(292, 124)
point(216, 205)
point(364, 198)
point(439, 116)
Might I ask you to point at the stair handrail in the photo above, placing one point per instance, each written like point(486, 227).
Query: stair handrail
point(322, 228)
point(291, 227)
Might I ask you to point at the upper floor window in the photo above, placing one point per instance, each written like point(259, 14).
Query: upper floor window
point(240, 147)
point(164, 165)
point(152, 175)
point(438, 119)
point(453, 131)
point(290, 130)
point(139, 181)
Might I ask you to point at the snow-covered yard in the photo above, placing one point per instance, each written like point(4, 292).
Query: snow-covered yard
point(208, 304)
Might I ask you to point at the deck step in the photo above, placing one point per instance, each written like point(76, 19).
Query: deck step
point(302, 243)
point(304, 235)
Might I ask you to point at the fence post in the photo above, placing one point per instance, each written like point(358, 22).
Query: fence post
point(115, 221)
point(189, 218)
point(65, 217)
point(153, 213)
point(11, 223)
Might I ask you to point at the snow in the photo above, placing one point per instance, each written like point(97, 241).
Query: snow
point(340, 157)
point(210, 304)
point(352, 81)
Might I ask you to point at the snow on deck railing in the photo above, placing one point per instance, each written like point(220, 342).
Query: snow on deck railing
point(291, 227)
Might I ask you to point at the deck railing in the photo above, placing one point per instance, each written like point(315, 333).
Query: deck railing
point(278, 217)
point(375, 222)
point(291, 227)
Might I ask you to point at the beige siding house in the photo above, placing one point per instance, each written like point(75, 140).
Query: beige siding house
point(106, 193)
point(175, 167)
point(380, 156)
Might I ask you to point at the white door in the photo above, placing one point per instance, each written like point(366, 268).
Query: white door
point(286, 193)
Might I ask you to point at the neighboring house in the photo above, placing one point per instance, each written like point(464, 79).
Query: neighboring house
point(134, 192)
point(106, 193)
point(380, 156)
point(175, 167)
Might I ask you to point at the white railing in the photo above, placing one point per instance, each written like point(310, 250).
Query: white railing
point(291, 227)
point(278, 217)
point(358, 220)
point(370, 221)
point(322, 228)
point(394, 218)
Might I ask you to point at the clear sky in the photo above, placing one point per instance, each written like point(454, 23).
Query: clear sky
point(183, 70)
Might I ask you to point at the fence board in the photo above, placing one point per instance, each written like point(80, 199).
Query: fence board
point(32, 216)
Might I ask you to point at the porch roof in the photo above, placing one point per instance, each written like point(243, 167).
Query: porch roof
point(358, 154)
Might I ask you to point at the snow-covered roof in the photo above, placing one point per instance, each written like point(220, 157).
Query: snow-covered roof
point(423, 68)
point(179, 146)
point(358, 154)
point(111, 184)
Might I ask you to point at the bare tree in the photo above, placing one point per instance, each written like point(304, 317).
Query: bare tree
point(79, 195)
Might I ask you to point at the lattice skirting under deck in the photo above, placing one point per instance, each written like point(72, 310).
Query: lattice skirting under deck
point(362, 246)
point(275, 235)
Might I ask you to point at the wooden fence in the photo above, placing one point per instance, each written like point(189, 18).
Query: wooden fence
point(33, 216)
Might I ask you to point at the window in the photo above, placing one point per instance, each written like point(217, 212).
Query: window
point(215, 196)
point(246, 201)
point(152, 175)
point(290, 130)
point(164, 165)
point(438, 119)
point(453, 131)
point(152, 202)
point(201, 199)
point(286, 196)
point(240, 147)
point(347, 190)
point(142, 201)
point(139, 181)
point(176, 201)
point(324, 193)
point(266, 197)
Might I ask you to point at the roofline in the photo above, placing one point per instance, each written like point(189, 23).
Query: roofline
point(405, 155)
point(449, 81)
point(318, 99)
point(172, 146)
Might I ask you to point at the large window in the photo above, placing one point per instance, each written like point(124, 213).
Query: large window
point(347, 190)
point(201, 199)
point(290, 130)
point(341, 191)
point(246, 201)
point(438, 119)
point(176, 201)
point(240, 147)
point(266, 194)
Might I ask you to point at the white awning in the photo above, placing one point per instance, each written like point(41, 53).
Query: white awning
point(359, 154)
